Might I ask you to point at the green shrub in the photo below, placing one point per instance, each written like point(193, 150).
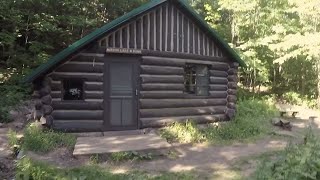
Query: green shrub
point(12, 138)
point(292, 98)
point(10, 96)
point(297, 99)
point(252, 119)
point(243, 93)
point(299, 161)
point(183, 132)
point(35, 139)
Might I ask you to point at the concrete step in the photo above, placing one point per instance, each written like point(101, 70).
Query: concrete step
point(119, 143)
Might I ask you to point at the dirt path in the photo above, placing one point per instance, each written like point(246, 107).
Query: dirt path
point(208, 160)
point(6, 160)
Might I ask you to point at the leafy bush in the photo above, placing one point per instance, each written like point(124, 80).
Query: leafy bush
point(252, 119)
point(299, 161)
point(12, 138)
point(35, 139)
point(28, 169)
point(11, 94)
point(243, 93)
point(183, 132)
point(297, 99)
point(292, 98)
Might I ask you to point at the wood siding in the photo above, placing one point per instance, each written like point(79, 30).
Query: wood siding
point(163, 98)
point(165, 28)
point(79, 115)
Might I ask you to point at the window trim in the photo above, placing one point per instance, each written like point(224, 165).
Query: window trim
point(63, 89)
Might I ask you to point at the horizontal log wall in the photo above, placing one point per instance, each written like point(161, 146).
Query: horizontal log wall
point(171, 112)
point(162, 96)
point(86, 114)
point(163, 121)
point(165, 29)
point(162, 78)
point(80, 125)
point(176, 103)
point(77, 115)
point(162, 93)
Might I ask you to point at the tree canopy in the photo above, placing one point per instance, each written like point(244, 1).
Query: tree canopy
point(279, 40)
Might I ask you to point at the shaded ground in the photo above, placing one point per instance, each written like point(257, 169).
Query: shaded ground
point(6, 160)
point(6, 156)
point(208, 160)
point(219, 162)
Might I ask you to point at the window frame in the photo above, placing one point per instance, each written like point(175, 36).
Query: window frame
point(197, 75)
point(63, 90)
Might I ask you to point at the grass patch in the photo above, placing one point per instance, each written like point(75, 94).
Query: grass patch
point(38, 140)
point(35, 139)
point(183, 132)
point(252, 120)
point(12, 138)
point(227, 174)
point(120, 157)
point(132, 155)
point(298, 161)
point(28, 169)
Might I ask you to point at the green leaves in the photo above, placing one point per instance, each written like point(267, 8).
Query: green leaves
point(33, 30)
point(299, 161)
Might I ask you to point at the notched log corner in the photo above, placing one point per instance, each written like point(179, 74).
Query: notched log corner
point(230, 113)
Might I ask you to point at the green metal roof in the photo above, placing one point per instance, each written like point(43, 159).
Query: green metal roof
point(42, 69)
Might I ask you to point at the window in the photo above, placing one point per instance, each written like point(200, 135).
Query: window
point(73, 89)
point(196, 79)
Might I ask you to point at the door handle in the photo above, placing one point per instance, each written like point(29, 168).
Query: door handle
point(136, 92)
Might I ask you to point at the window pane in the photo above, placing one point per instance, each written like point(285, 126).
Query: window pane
point(196, 79)
point(73, 89)
point(190, 78)
point(202, 80)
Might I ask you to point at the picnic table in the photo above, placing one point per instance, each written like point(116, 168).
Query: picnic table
point(291, 112)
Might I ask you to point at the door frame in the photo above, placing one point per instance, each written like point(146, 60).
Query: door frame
point(114, 57)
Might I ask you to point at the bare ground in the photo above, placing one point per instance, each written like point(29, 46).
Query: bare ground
point(215, 161)
point(208, 160)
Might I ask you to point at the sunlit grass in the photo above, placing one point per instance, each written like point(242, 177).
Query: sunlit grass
point(252, 120)
point(29, 169)
point(38, 140)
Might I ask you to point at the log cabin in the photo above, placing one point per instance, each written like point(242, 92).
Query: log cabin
point(158, 64)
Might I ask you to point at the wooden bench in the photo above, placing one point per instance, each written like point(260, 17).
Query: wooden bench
point(292, 112)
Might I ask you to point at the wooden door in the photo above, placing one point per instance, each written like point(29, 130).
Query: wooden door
point(121, 89)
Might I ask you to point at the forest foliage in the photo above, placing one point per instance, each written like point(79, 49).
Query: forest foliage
point(278, 40)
